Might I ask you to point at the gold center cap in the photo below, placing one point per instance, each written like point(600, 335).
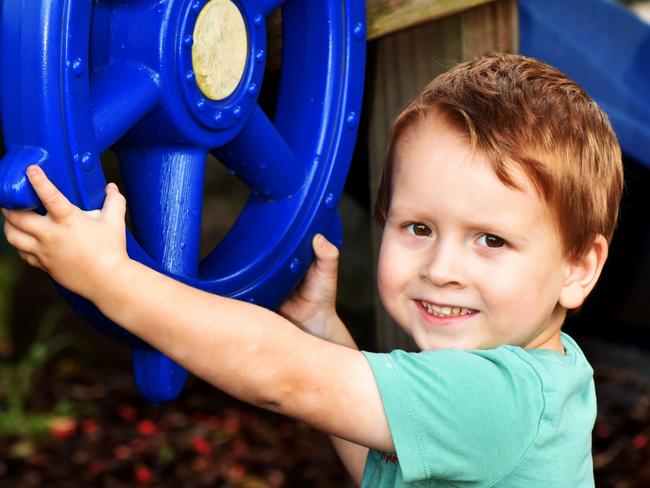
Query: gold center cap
point(219, 49)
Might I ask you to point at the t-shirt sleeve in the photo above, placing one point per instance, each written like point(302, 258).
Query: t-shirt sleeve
point(463, 416)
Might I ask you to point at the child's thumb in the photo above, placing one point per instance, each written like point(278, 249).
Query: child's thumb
point(327, 257)
point(115, 203)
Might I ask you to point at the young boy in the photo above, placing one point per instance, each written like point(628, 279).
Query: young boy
point(499, 199)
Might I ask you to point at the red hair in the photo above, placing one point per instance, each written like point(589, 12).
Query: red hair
point(522, 113)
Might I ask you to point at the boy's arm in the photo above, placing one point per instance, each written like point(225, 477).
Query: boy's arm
point(245, 350)
point(312, 307)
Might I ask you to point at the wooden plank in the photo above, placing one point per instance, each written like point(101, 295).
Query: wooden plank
point(384, 17)
point(388, 16)
point(399, 66)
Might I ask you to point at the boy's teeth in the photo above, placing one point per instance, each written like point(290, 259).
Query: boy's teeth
point(445, 311)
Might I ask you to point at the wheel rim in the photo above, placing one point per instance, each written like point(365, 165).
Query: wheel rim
point(121, 73)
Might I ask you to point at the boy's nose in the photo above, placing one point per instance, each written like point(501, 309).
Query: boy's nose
point(444, 266)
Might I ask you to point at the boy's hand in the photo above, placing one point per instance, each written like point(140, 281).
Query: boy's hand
point(78, 249)
point(312, 307)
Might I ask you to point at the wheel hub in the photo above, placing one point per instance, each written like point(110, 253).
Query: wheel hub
point(219, 49)
point(221, 56)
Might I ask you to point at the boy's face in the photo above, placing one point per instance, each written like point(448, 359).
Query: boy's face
point(467, 262)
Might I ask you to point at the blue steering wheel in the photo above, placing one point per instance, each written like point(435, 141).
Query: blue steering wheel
point(164, 82)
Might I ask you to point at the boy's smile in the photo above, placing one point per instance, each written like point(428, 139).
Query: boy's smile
point(467, 262)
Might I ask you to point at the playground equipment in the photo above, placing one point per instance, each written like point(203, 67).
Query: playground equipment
point(605, 48)
point(164, 82)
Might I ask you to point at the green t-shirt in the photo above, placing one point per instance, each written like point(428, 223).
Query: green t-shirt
point(504, 417)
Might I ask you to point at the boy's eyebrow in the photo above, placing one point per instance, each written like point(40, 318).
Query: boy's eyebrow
point(513, 231)
point(397, 210)
point(504, 229)
point(401, 213)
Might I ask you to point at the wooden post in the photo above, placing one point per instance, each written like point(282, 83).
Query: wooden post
point(401, 64)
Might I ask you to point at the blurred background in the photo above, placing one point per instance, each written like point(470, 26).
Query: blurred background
point(70, 414)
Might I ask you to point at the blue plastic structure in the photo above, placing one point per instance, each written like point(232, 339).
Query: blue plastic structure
point(79, 77)
point(604, 47)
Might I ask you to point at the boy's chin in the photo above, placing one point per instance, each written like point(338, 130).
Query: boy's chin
point(440, 343)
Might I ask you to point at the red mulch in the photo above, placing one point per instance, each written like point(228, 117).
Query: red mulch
point(113, 438)
point(205, 438)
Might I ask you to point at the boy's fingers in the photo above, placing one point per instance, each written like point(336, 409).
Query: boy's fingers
point(115, 203)
point(326, 252)
point(19, 239)
point(30, 259)
point(25, 220)
point(56, 204)
point(327, 258)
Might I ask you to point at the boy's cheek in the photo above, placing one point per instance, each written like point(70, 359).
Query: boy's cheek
point(383, 266)
point(387, 279)
point(381, 273)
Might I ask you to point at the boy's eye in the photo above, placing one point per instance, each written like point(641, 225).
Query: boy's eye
point(419, 230)
point(490, 240)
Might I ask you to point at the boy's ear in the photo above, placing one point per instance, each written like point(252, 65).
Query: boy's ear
point(583, 273)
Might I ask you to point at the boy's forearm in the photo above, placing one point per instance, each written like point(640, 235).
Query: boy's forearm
point(210, 335)
point(206, 333)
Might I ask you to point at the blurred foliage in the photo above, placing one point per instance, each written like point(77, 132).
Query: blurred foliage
point(19, 377)
point(10, 266)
